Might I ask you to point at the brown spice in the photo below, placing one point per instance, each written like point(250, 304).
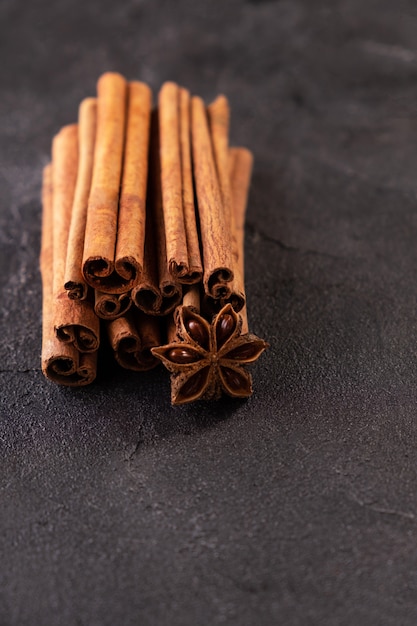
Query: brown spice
point(147, 295)
point(132, 337)
point(74, 320)
point(191, 300)
point(109, 306)
point(144, 245)
point(207, 358)
point(195, 268)
point(61, 362)
point(157, 293)
point(74, 281)
point(110, 260)
point(219, 118)
point(171, 183)
point(241, 164)
point(240, 169)
point(214, 225)
point(132, 205)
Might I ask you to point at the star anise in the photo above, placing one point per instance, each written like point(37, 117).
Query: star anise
point(208, 358)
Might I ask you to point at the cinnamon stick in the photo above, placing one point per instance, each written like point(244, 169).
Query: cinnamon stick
point(192, 298)
point(112, 255)
point(219, 119)
point(74, 320)
point(191, 302)
point(214, 224)
point(157, 293)
point(61, 362)
point(195, 268)
point(132, 337)
point(109, 306)
point(241, 164)
point(147, 295)
point(132, 206)
point(74, 281)
point(170, 154)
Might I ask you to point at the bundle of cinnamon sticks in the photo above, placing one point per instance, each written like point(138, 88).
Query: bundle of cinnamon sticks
point(142, 239)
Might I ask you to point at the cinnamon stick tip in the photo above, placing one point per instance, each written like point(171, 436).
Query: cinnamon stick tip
point(76, 291)
point(63, 370)
point(68, 129)
point(185, 94)
point(139, 86)
point(111, 77)
point(193, 276)
point(111, 306)
point(220, 101)
point(197, 100)
point(148, 299)
point(168, 86)
point(47, 170)
point(221, 275)
point(87, 103)
point(177, 269)
point(128, 268)
point(242, 152)
point(97, 266)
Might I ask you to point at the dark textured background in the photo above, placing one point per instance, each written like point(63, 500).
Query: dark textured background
point(299, 506)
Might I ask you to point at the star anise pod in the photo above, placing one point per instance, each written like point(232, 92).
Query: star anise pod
point(209, 358)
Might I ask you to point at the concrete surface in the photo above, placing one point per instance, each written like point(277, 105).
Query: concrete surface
point(299, 506)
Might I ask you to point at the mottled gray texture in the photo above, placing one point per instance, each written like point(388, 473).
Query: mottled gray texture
point(299, 506)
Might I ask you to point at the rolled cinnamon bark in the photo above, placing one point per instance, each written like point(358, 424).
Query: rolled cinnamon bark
point(147, 295)
point(74, 320)
point(214, 225)
point(241, 164)
point(219, 118)
point(195, 268)
point(157, 293)
point(74, 281)
point(113, 252)
point(61, 362)
point(101, 228)
point(132, 206)
point(171, 181)
point(191, 300)
point(132, 337)
point(109, 306)
point(170, 289)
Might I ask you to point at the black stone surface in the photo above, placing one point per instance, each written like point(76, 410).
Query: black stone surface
point(299, 506)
